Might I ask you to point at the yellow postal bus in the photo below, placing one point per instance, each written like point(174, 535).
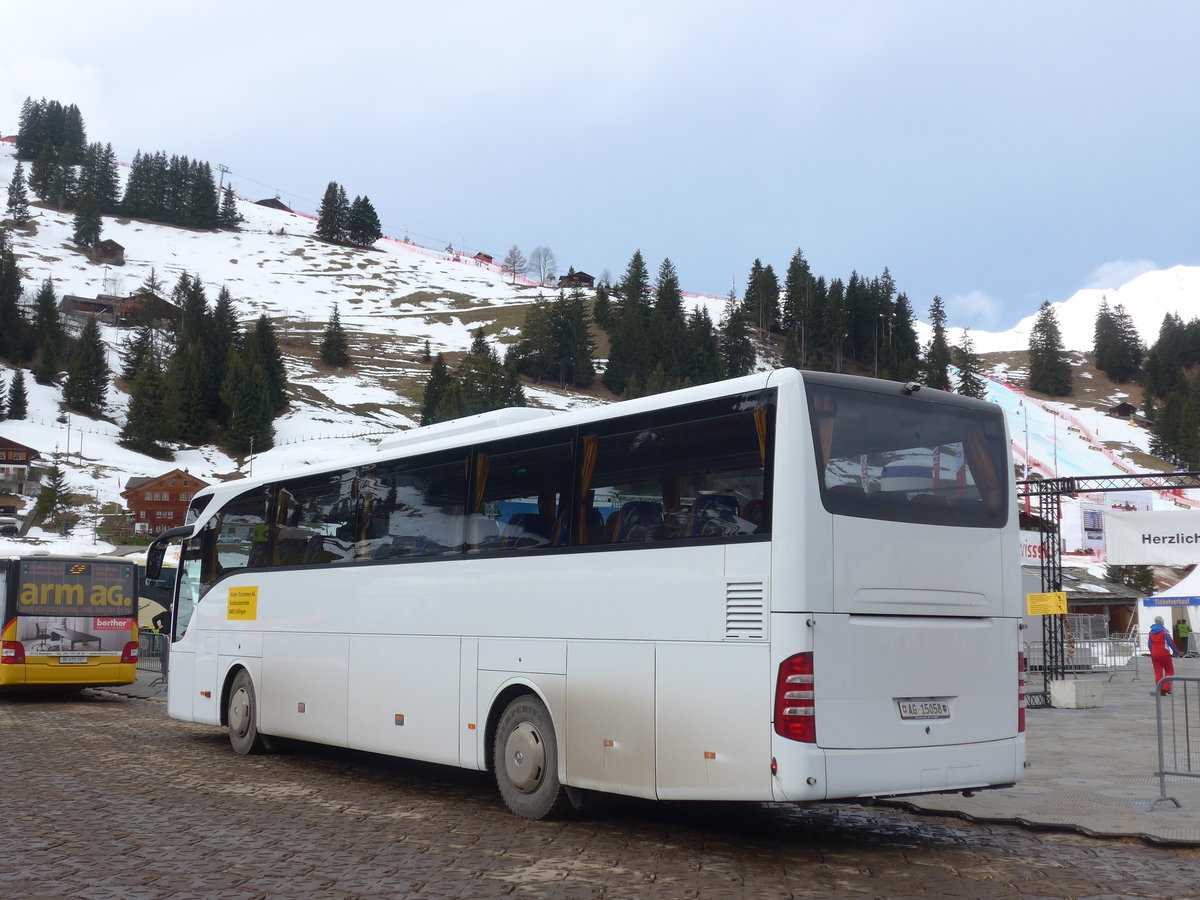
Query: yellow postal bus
point(68, 621)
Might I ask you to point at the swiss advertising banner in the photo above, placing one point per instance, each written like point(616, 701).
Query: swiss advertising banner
point(1167, 538)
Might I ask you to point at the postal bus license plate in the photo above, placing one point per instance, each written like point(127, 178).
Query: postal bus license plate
point(72, 660)
point(923, 709)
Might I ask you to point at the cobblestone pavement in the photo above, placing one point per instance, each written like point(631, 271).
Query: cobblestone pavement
point(105, 797)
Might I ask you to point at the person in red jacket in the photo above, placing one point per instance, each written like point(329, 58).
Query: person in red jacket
point(1162, 648)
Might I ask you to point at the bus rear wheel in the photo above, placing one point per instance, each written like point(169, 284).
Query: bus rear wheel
point(241, 712)
point(525, 759)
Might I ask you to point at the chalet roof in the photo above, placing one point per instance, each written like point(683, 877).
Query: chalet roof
point(137, 482)
point(7, 444)
point(273, 203)
point(108, 246)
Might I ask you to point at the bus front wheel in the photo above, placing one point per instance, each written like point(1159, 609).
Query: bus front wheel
point(525, 758)
point(242, 715)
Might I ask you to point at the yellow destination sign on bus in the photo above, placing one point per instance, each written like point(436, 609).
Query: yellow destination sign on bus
point(243, 604)
point(1051, 604)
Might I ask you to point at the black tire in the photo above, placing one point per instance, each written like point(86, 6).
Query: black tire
point(241, 712)
point(525, 759)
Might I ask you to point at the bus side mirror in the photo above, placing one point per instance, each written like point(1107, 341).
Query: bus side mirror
point(154, 562)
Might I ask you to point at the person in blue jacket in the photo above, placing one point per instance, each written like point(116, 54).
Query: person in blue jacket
point(1162, 648)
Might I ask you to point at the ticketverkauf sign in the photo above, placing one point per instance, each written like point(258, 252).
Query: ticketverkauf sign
point(1167, 538)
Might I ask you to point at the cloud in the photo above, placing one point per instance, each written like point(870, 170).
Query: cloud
point(1112, 275)
point(974, 310)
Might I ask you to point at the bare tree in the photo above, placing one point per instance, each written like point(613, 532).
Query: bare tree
point(515, 262)
point(542, 264)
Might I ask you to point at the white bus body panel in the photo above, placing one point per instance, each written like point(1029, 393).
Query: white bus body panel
point(402, 696)
point(610, 716)
point(713, 715)
point(305, 683)
point(864, 665)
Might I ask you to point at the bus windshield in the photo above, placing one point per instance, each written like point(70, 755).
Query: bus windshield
point(905, 459)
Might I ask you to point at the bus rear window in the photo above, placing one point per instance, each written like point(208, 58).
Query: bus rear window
point(907, 459)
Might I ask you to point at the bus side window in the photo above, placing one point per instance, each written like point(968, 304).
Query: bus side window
point(243, 532)
point(418, 507)
point(523, 489)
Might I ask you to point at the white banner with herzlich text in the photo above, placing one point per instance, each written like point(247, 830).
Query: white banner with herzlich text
point(1167, 538)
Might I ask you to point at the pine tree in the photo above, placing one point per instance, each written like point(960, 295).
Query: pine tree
point(601, 308)
point(702, 359)
point(223, 335)
point(1127, 354)
point(737, 349)
point(47, 323)
point(333, 214)
point(63, 186)
point(12, 318)
point(668, 327)
point(629, 351)
point(335, 350)
point(88, 223)
point(54, 501)
point(435, 389)
point(42, 171)
point(362, 223)
point(230, 218)
point(146, 427)
point(762, 297)
point(18, 200)
point(87, 378)
point(138, 352)
point(1049, 368)
point(903, 359)
point(483, 383)
point(936, 363)
point(186, 403)
point(47, 365)
point(266, 353)
point(247, 393)
point(18, 399)
point(203, 205)
point(970, 382)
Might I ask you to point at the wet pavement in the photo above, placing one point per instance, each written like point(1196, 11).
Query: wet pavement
point(108, 799)
point(1090, 770)
point(1094, 770)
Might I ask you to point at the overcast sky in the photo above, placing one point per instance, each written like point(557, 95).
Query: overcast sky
point(997, 154)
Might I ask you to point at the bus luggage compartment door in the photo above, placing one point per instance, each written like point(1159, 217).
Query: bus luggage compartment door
point(914, 681)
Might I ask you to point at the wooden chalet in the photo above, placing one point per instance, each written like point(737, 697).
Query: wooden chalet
point(110, 252)
point(161, 502)
point(1123, 410)
point(577, 279)
point(483, 257)
point(139, 308)
point(16, 463)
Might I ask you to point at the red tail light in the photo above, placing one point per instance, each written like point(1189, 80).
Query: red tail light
point(12, 653)
point(1020, 692)
point(795, 713)
point(130, 653)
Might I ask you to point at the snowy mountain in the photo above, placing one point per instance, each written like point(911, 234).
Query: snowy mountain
point(392, 299)
point(1147, 298)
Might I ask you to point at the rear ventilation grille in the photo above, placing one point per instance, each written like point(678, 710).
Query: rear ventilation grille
point(745, 611)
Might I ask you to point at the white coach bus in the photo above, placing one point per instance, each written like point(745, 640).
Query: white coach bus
point(792, 586)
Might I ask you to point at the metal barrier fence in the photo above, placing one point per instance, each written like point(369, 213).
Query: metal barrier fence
point(153, 651)
point(1114, 655)
point(1178, 732)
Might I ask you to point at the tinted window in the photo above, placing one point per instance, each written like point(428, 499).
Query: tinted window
point(678, 478)
point(522, 493)
point(906, 459)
